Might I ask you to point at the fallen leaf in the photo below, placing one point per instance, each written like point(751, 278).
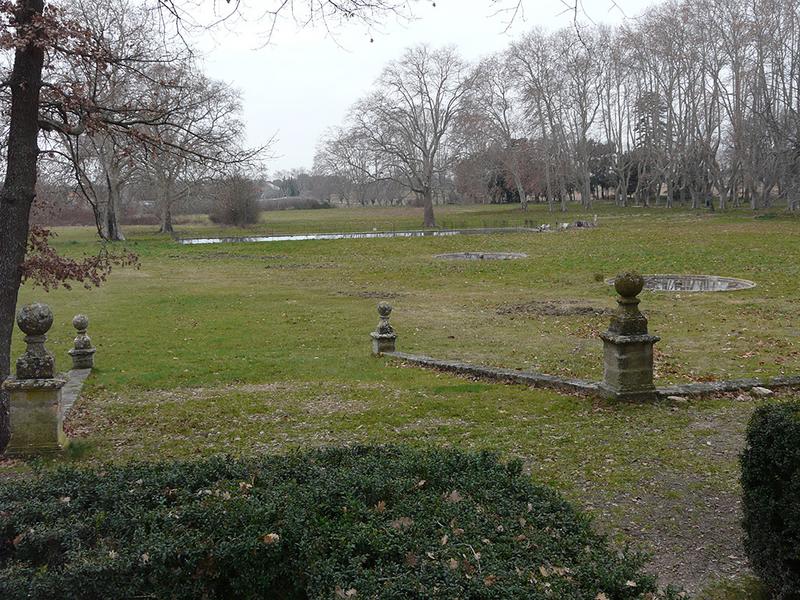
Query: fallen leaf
point(543, 570)
point(454, 497)
point(402, 523)
point(271, 538)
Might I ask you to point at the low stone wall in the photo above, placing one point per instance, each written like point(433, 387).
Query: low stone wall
point(594, 388)
point(510, 375)
point(72, 390)
point(707, 388)
point(627, 359)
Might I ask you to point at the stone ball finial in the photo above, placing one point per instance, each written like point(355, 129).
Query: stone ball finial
point(629, 285)
point(35, 319)
point(80, 322)
point(384, 309)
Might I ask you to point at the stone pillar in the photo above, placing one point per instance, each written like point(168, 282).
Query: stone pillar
point(628, 347)
point(384, 337)
point(36, 416)
point(83, 353)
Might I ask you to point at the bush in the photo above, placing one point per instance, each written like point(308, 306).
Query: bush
point(771, 502)
point(387, 523)
point(235, 202)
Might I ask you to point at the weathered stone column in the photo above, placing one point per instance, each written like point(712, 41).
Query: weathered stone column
point(628, 347)
point(83, 353)
point(36, 417)
point(384, 337)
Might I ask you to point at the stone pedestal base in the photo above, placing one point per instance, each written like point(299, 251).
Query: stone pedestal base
point(628, 367)
point(82, 359)
point(36, 416)
point(383, 342)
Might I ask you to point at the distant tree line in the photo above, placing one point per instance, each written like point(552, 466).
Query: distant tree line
point(694, 103)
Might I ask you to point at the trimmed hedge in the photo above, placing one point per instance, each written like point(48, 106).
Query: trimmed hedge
point(771, 501)
point(364, 522)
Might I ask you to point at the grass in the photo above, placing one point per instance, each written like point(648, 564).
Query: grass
point(249, 347)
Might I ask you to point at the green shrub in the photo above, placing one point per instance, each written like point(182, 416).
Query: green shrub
point(771, 502)
point(363, 522)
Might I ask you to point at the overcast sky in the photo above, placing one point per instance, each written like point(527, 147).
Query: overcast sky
point(303, 81)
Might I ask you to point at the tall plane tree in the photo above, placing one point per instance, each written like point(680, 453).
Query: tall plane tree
point(496, 111)
point(407, 122)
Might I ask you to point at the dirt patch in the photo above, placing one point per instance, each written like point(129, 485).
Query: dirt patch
point(690, 522)
point(553, 308)
point(482, 256)
point(433, 424)
point(228, 255)
point(321, 265)
point(373, 295)
point(332, 404)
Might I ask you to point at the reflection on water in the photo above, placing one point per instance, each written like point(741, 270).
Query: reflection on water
point(358, 235)
point(693, 283)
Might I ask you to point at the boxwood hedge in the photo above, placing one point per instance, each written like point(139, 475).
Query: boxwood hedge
point(364, 522)
point(771, 497)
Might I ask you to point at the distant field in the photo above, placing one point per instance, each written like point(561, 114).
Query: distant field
point(248, 347)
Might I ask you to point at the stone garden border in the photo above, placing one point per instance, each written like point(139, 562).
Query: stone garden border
point(580, 386)
point(627, 359)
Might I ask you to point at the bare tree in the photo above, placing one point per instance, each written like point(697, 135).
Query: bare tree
point(496, 111)
point(578, 59)
point(407, 123)
point(533, 62)
point(198, 136)
point(343, 155)
point(102, 158)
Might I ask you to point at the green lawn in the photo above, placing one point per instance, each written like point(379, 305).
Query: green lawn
point(250, 347)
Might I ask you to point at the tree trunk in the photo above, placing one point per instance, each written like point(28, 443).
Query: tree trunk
point(112, 213)
point(166, 219)
point(101, 216)
point(670, 191)
point(548, 186)
point(586, 192)
point(114, 184)
point(523, 199)
point(19, 187)
point(564, 195)
point(427, 203)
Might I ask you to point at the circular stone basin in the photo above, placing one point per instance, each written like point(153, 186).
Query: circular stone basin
point(693, 283)
point(482, 256)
